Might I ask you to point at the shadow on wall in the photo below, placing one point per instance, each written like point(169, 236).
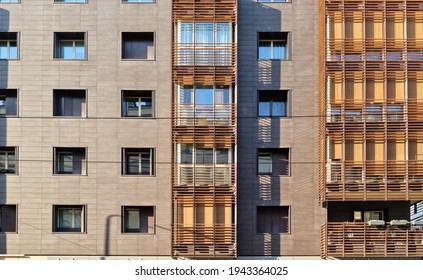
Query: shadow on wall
point(5, 215)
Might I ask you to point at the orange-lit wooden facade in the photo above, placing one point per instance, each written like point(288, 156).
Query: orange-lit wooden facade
point(372, 100)
point(371, 119)
point(204, 193)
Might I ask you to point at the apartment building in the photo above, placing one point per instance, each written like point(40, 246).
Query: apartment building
point(210, 129)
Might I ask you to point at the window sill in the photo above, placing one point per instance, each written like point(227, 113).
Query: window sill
point(137, 175)
point(275, 117)
point(70, 174)
point(9, 116)
point(62, 3)
point(138, 59)
point(9, 174)
point(123, 2)
point(278, 176)
point(280, 233)
point(8, 232)
point(138, 233)
point(8, 59)
point(69, 117)
point(69, 232)
point(273, 59)
point(129, 117)
point(65, 59)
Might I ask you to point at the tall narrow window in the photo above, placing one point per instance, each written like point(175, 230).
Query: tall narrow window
point(69, 103)
point(70, 45)
point(69, 218)
point(137, 103)
point(138, 219)
point(8, 218)
point(8, 102)
point(8, 160)
point(138, 161)
point(8, 45)
point(138, 45)
point(273, 45)
point(70, 161)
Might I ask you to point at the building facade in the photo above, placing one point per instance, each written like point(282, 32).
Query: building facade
point(210, 129)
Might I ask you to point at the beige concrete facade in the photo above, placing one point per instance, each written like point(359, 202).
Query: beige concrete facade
point(103, 190)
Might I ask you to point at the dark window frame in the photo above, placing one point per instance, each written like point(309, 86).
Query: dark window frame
point(271, 225)
point(126, 94)
point(279, 166)
point(146, 214)
point(142, 48)
point(12, 226)
point(139, 152)
point(11, 102)
point(59, 164)
point(272, 97)
point(62, 97)
point(56, 227)
point(73, 37)
point(9, 150)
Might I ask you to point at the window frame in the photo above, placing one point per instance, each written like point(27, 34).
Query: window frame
point(16, 2)
point(287, 45)
point(275, 170)
point(7, 150)
point(260, 217)
point(69, 37)
point(73, 207)
point(15, 223)
point(139, 208)
point(274, 1)
point(284, 93)
point(66, 93)
point(153, 55)
point(127, 151)
point(125, 94)
point(12, 93)
point(8, 41)
point(73, 151)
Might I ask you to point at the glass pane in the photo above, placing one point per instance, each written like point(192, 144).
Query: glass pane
point(265, 164)
point(366, 216)
point(65, 219)
point(204, 32)
point(279, 109)
point(13, 51)
point(66, 163)
point(79, 50)
point(204, 95)
point(222, 156)
point(3, 161)
point(11, 162)
point(264, 109)
point(264, 50)
point(77, 220)
point(279, 50)
point(66, 50)
point(146, 107)
point(204, 156)
point(3, 50)
point(133, 164)
point(132, 107)
point(222, 32)
point(2, 105)
point(222, 95)
point(186, 35)
point(186, 95)
point(145, 164)
point(186, 153)
point(132, 220)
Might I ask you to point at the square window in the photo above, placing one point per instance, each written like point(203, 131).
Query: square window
point(137, 103)
point(8, 218)
point(273, 219)
point(273, 103)
point(70, 45)
point(138, 161)
point(69, 103)
point(138, 45)
point(273, 45)
point(273, 162)
point(68, 218)
point(9, 45)
point(138, 219)
point(8, 160)
point(70, 161)
point(8, 102)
